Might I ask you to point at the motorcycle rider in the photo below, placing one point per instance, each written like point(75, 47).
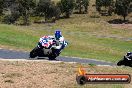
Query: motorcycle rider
point(49, 46)
point(59, 39)
point(129, 55)
point(59, 42)
point(127, 60)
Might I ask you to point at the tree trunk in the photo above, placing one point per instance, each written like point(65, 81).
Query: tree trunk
point(80, 9)
point(86, 9)
point(67, 14)
point(26, 17)
point(46, 19)
point(124, 18)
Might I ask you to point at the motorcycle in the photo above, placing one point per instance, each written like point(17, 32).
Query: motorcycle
point(127, 61)
point(46, 48)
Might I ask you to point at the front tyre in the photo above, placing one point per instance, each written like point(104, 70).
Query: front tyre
point(34, 53)
point(121, 62)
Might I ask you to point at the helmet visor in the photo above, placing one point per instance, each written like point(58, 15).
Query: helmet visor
point(57, 34)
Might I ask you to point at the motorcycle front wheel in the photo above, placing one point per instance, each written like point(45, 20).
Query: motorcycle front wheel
point(33, 53)
point(121, 62)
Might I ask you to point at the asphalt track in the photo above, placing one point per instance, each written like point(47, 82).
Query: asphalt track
point(11, 54)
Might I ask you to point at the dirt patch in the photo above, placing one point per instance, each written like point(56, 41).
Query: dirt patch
point(21, 74)
point(122, 26)
point(46, 74)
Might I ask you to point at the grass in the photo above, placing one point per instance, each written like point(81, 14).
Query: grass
point(87, 39)
point(11, 36)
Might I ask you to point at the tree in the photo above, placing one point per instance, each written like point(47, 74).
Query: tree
point(1, 6)
point(48, 9)
point(17, 8)
point(104, 3)
point(66, 7)
point(86, 4)
point(53, 12)
point(98, 5)
point(24, 8)
point(42, 7)
point(12, 13)
point(122, 7)
point(82, 4)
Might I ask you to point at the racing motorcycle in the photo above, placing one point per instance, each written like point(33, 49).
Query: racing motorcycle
point(46, 47)
point(127, 61)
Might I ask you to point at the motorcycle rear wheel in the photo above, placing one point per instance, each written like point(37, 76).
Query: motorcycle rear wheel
point(52, 57)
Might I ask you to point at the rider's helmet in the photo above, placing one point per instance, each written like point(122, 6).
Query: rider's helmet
point(57, 34)
point(128, 53)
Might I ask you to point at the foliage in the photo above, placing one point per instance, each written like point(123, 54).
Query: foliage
point(122, 7)
point(82, 5)
point(104, 3)
point(47, 9)
point(66, 7)
point(13, 10)
point(17, 8)
point(12, 13)
point(1, 6)
point(25, 6)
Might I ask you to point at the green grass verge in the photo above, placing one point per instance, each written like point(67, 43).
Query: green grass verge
point(88, 37)
point(11, 36)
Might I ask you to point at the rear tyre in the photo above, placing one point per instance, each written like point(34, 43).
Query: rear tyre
point(52, 57)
